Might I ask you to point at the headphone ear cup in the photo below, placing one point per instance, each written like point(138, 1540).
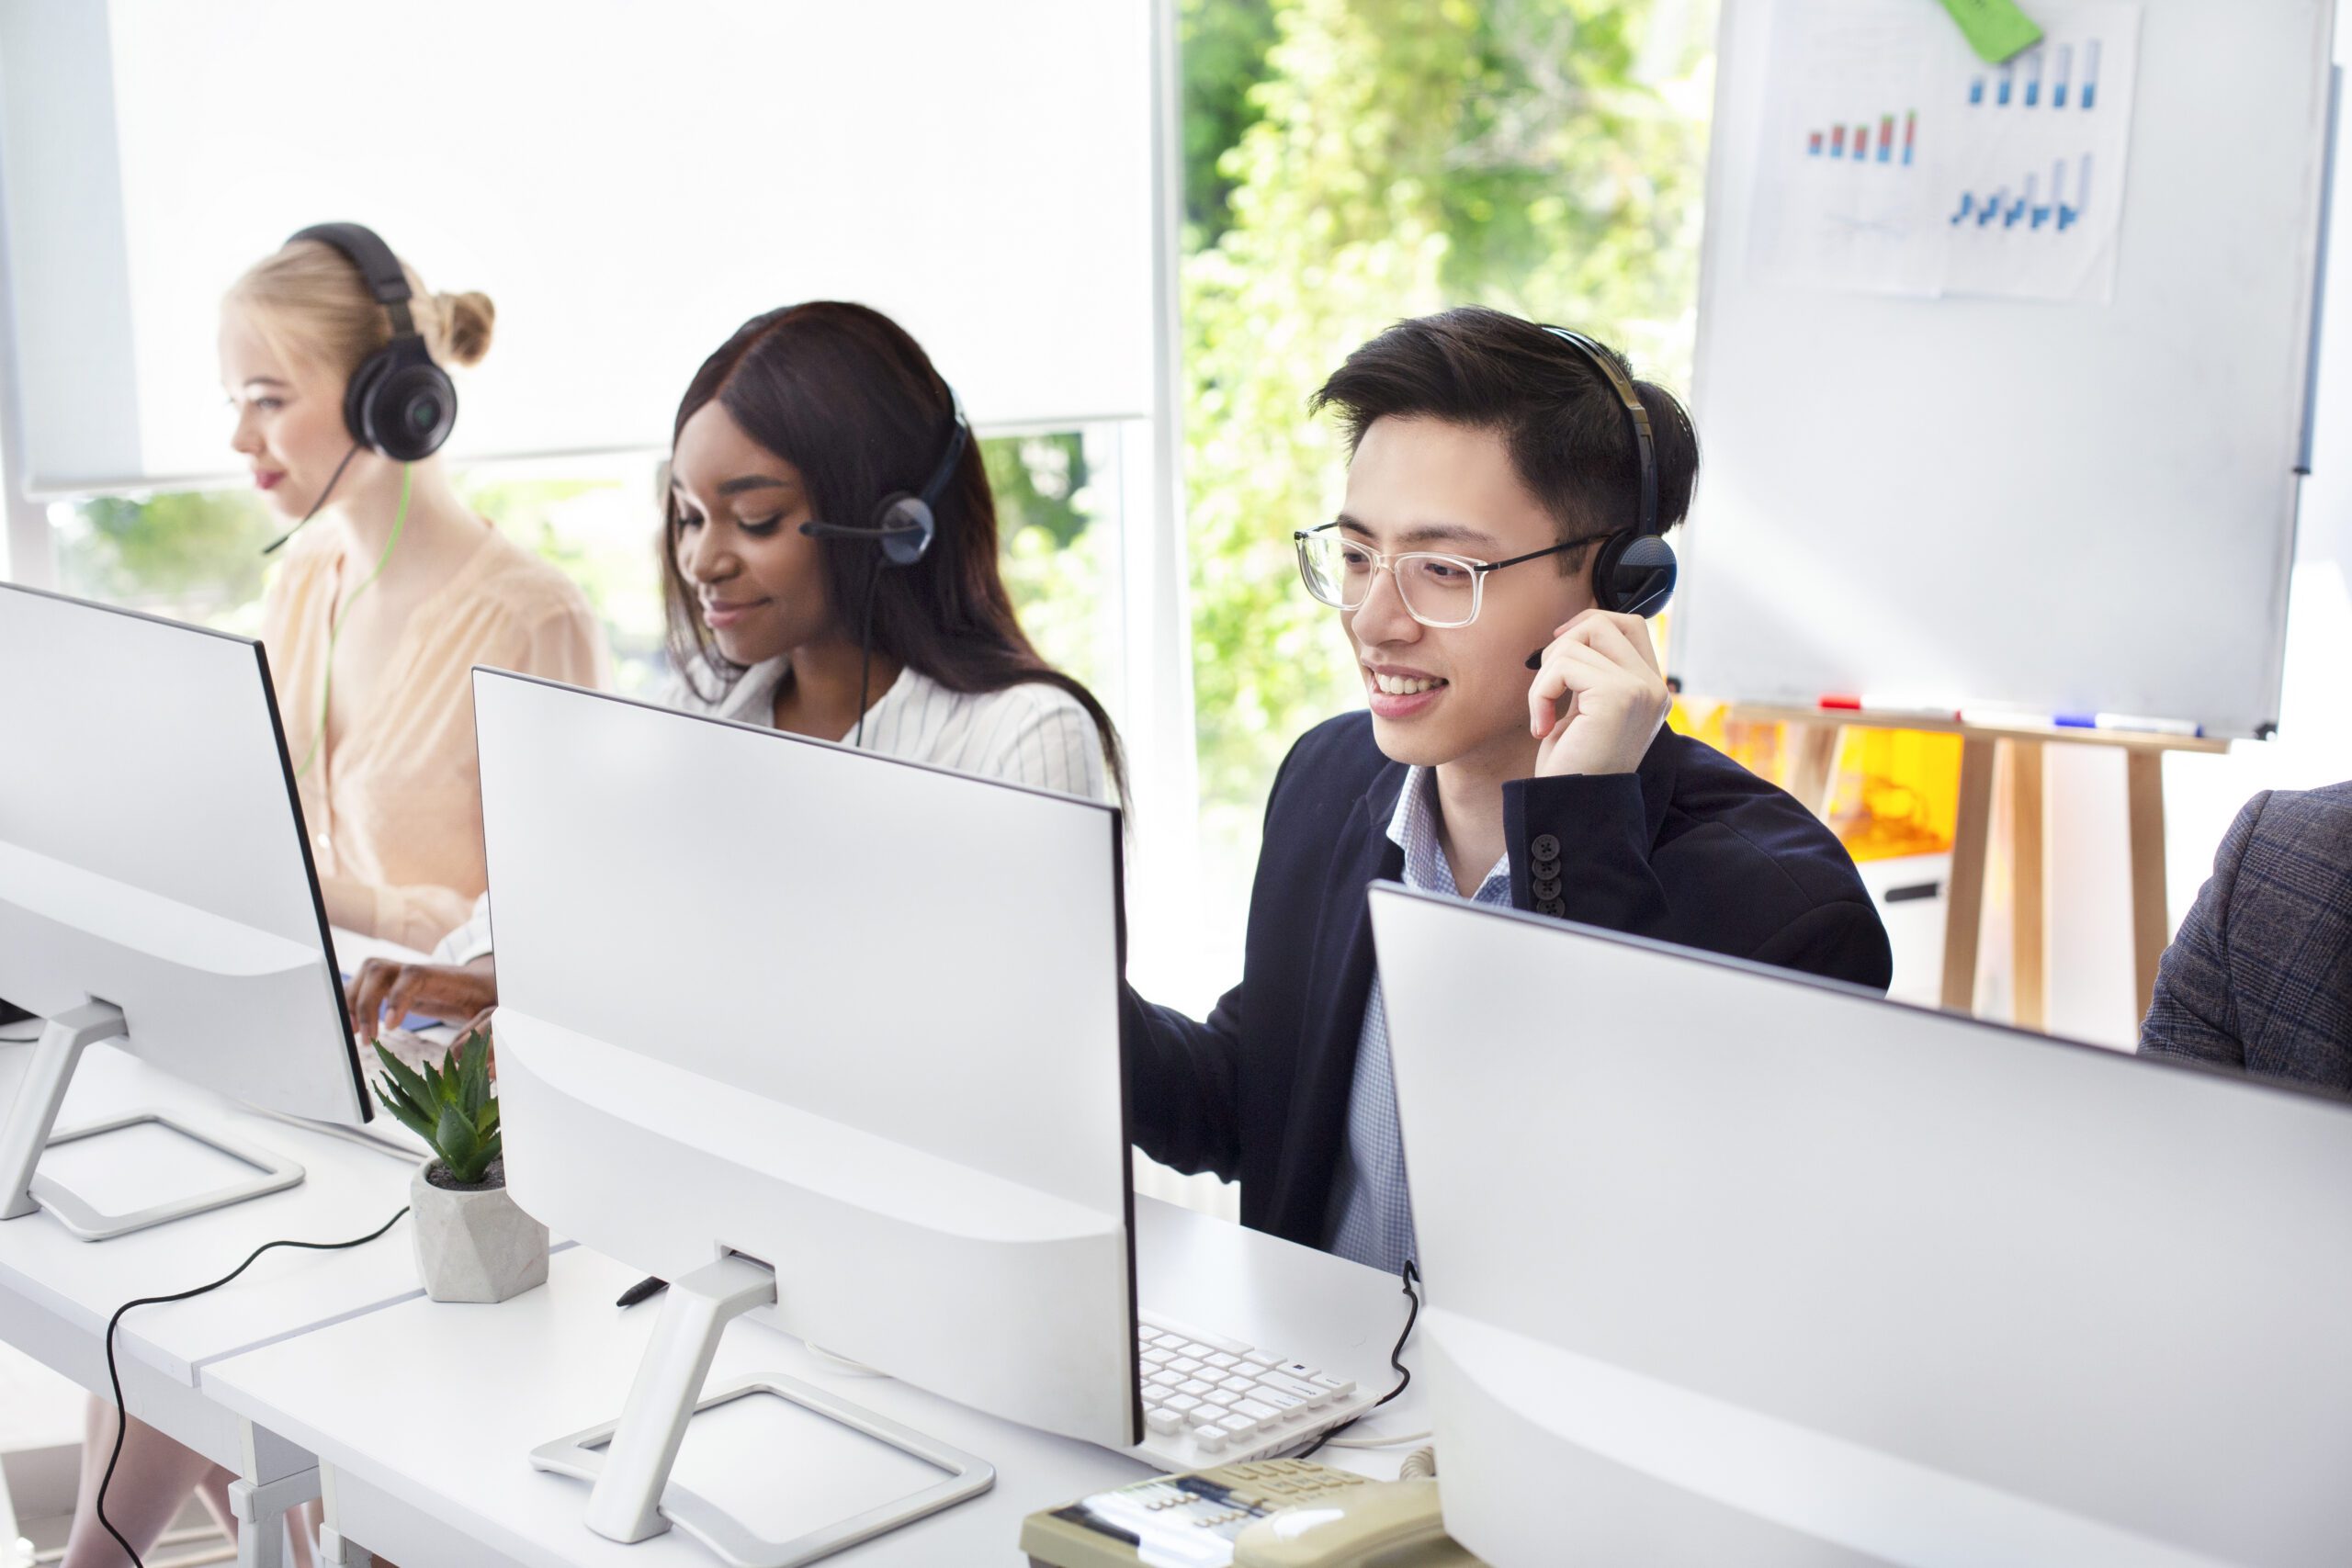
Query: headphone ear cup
point(907, 528)
point(399, 403)
point(359, 391)
point(1634, 574)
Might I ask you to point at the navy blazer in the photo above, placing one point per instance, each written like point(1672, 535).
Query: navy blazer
point(1692, 849)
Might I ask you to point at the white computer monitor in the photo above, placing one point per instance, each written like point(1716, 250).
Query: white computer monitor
point(758, 1036)
point(1727, 1264)
point(156, 889)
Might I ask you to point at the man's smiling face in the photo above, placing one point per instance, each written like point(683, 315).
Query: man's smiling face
point(1446, 694)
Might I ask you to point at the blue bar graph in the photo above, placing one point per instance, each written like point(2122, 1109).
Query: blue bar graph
point(2070, 216)
point(2027, 209)
point(2019, 82)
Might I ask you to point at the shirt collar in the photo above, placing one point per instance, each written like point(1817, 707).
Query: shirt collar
point(752, 699)
point(1413, 829)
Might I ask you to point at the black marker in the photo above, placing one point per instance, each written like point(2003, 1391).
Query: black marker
point(640, 1291)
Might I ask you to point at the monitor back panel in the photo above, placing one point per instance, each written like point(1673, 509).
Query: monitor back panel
point(1816, 1278)
point(869, 1011)
point(151, 852)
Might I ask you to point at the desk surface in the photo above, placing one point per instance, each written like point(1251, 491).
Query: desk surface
point(428, 1412)
point(348, 1191)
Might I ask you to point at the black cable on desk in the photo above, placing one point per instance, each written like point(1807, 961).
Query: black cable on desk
point(114, 1376)
point(1409, 1275)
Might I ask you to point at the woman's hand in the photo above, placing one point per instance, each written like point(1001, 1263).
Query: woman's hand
point(445, 991)
point(1599, 698)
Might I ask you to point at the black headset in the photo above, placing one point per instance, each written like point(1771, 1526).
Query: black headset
point(1634, 571)
point(904, 525)
point(398, 402)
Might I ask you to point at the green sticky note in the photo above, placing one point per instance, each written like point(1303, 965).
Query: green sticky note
point(1997, 29)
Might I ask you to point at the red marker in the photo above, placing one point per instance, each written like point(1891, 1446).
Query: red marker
point(1837, 703)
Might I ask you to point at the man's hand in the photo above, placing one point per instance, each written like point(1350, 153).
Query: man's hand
point(445, 991)
point(1599, 698)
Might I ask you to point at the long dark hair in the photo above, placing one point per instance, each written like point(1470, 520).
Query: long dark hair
point(842, 393)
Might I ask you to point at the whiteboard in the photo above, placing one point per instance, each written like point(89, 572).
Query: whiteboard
point(2055, 509)
point(628, 183)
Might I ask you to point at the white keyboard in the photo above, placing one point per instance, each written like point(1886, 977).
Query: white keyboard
point(1209, 1400)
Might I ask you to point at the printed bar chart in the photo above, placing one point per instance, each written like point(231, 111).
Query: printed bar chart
point(1838, 144)
point(1975, 179)
point(2019, 82)
point(2027, 209)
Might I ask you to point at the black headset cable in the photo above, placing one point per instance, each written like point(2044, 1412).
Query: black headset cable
point(114, 1374)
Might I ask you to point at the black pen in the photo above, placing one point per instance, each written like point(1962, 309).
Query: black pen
point(642, 1289)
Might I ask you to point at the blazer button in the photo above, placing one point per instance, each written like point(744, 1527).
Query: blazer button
point(1552, 908)
point(1547, 890)
point(1547, 846)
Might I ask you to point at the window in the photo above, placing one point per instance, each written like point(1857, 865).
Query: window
point(196, 555)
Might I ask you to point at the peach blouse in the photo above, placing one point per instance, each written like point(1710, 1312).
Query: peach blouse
point(396, 803)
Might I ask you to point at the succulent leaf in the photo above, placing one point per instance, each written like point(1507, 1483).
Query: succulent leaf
point(461, 1150)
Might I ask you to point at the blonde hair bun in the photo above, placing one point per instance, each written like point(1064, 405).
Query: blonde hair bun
point(311, 301)
point(467, 319)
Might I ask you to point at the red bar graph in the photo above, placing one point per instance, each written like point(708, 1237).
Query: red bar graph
point(1854, 141)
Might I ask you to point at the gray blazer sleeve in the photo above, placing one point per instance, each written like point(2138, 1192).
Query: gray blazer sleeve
point(2194, 1013)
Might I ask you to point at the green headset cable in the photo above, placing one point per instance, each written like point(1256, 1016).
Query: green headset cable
point(334, 627)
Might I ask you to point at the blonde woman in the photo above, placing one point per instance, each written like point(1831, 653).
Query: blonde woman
point(391, 590)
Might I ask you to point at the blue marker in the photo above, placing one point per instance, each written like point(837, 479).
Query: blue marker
point(2076, 721)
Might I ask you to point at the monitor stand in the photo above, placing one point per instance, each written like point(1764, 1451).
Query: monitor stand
point(629, 1460)
point(30, 1130)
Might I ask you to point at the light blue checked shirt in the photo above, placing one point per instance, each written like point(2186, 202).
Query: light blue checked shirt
point(1372, 1212)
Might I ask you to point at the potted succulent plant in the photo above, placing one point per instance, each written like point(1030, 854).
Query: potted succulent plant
point(472, 1243)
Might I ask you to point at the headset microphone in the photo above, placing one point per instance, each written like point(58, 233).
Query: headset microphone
point(333, 479)
point(904, 527)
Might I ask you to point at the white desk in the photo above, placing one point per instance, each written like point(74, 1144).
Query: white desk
point(424, 1415)
point(57, 1292)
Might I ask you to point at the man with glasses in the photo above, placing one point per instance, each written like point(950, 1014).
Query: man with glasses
point(1493, 461)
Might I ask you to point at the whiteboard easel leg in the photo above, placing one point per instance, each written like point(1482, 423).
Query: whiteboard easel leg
point(1813, 775)
point(2028, 878)
point(2151, 908)
point(1964, 902)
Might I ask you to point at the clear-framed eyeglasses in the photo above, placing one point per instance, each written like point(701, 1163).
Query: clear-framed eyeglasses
point(1438, 590)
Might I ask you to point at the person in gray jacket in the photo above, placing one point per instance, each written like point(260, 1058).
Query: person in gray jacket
point(2259, 980)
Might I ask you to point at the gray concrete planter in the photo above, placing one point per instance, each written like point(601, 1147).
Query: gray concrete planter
point(473, 1244)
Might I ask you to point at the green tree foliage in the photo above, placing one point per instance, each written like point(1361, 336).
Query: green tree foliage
point(196, 552)
point(1057, 563)
point(1536, 155)
point(1224, 44)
